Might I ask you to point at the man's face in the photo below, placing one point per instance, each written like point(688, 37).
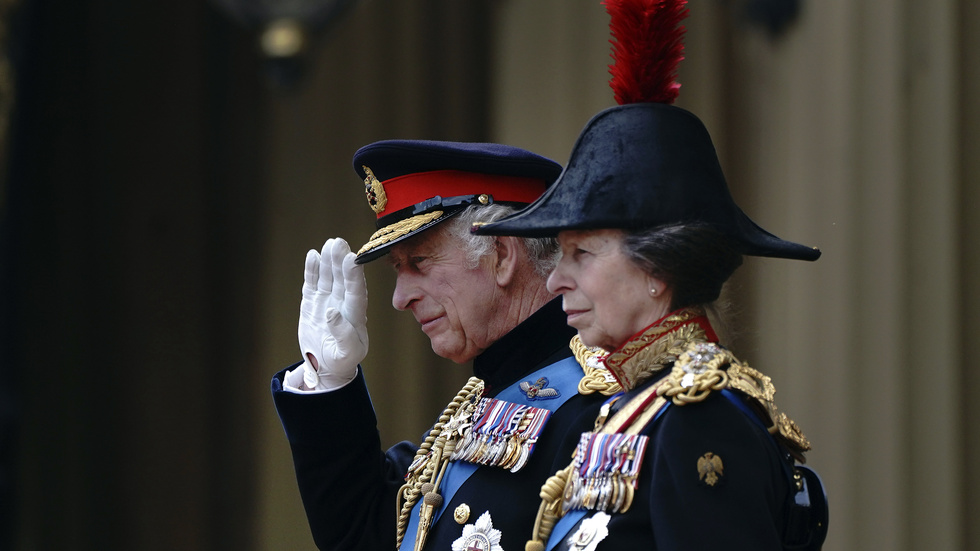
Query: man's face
point(455, 304)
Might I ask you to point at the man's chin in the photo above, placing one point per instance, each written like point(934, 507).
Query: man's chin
point(453, 354)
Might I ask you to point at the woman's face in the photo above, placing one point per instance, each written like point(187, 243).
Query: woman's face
point(606, 296)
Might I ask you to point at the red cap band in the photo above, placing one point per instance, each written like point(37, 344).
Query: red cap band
point(410, 189)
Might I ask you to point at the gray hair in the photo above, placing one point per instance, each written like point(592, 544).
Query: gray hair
point(542, 252)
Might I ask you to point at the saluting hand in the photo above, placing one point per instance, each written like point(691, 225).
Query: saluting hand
point(332, 317)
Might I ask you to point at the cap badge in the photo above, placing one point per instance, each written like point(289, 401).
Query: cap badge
point(479, 537)
point(375, 192)
point(710, 468)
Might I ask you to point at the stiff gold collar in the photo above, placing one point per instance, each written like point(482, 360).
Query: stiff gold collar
point(657, 346)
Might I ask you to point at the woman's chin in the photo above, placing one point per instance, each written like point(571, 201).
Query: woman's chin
point(592, 340)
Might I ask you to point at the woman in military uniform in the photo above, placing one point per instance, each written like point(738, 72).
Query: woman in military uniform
point(694, 453)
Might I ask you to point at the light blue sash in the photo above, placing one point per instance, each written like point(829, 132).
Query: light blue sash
point(563, 375)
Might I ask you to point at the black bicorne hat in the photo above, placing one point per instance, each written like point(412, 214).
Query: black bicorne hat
point(641, 166)
point(644, 163)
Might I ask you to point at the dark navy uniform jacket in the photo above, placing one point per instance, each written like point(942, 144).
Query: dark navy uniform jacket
point(675, 508)
point(348, 483)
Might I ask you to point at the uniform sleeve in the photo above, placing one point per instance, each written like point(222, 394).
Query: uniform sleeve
point(347, 483)
point(716, 479)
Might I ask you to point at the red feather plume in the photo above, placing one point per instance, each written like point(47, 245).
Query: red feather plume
point(648, 45)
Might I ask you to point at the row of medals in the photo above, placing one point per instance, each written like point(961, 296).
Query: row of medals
point(508, 450)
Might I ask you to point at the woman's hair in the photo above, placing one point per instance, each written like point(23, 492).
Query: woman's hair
point(543, 252)
point(693, 260)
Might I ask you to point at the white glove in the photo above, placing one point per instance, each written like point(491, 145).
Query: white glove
point(332, 317)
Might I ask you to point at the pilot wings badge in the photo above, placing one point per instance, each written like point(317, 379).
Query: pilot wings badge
point(539, 390)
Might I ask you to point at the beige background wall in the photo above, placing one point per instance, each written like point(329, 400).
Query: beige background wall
point(163, 192)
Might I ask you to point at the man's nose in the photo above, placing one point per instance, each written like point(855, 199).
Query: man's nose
point(405, 292)
point(558, 280)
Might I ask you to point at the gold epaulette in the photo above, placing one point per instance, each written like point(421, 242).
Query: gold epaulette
point(597, 378)
point(699, 370)
point(705, 367)
point(759, 387)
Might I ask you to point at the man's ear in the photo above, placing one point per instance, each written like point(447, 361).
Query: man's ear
point(509, 250)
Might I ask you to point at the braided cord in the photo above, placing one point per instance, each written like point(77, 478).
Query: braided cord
point(550, 510)
point(408, 494)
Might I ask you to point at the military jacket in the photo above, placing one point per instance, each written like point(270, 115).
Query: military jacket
point(708, 475)
point(350, 486)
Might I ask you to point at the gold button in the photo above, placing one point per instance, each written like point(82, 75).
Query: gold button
point(462, 513)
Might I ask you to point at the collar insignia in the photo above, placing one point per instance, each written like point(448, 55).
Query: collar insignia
point(375, 192)
point(710, 469)
point(590, 533)
point(479, 537)
point(539, 390)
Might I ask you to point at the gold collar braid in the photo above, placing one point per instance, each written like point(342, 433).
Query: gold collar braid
point(655, 348)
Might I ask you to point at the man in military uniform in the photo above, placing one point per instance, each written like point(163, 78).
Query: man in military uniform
point(474, 481)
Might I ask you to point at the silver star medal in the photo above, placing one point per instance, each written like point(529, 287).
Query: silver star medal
point(590, 533)
point(458, 424)
point(696, 361)
point(479, 537)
